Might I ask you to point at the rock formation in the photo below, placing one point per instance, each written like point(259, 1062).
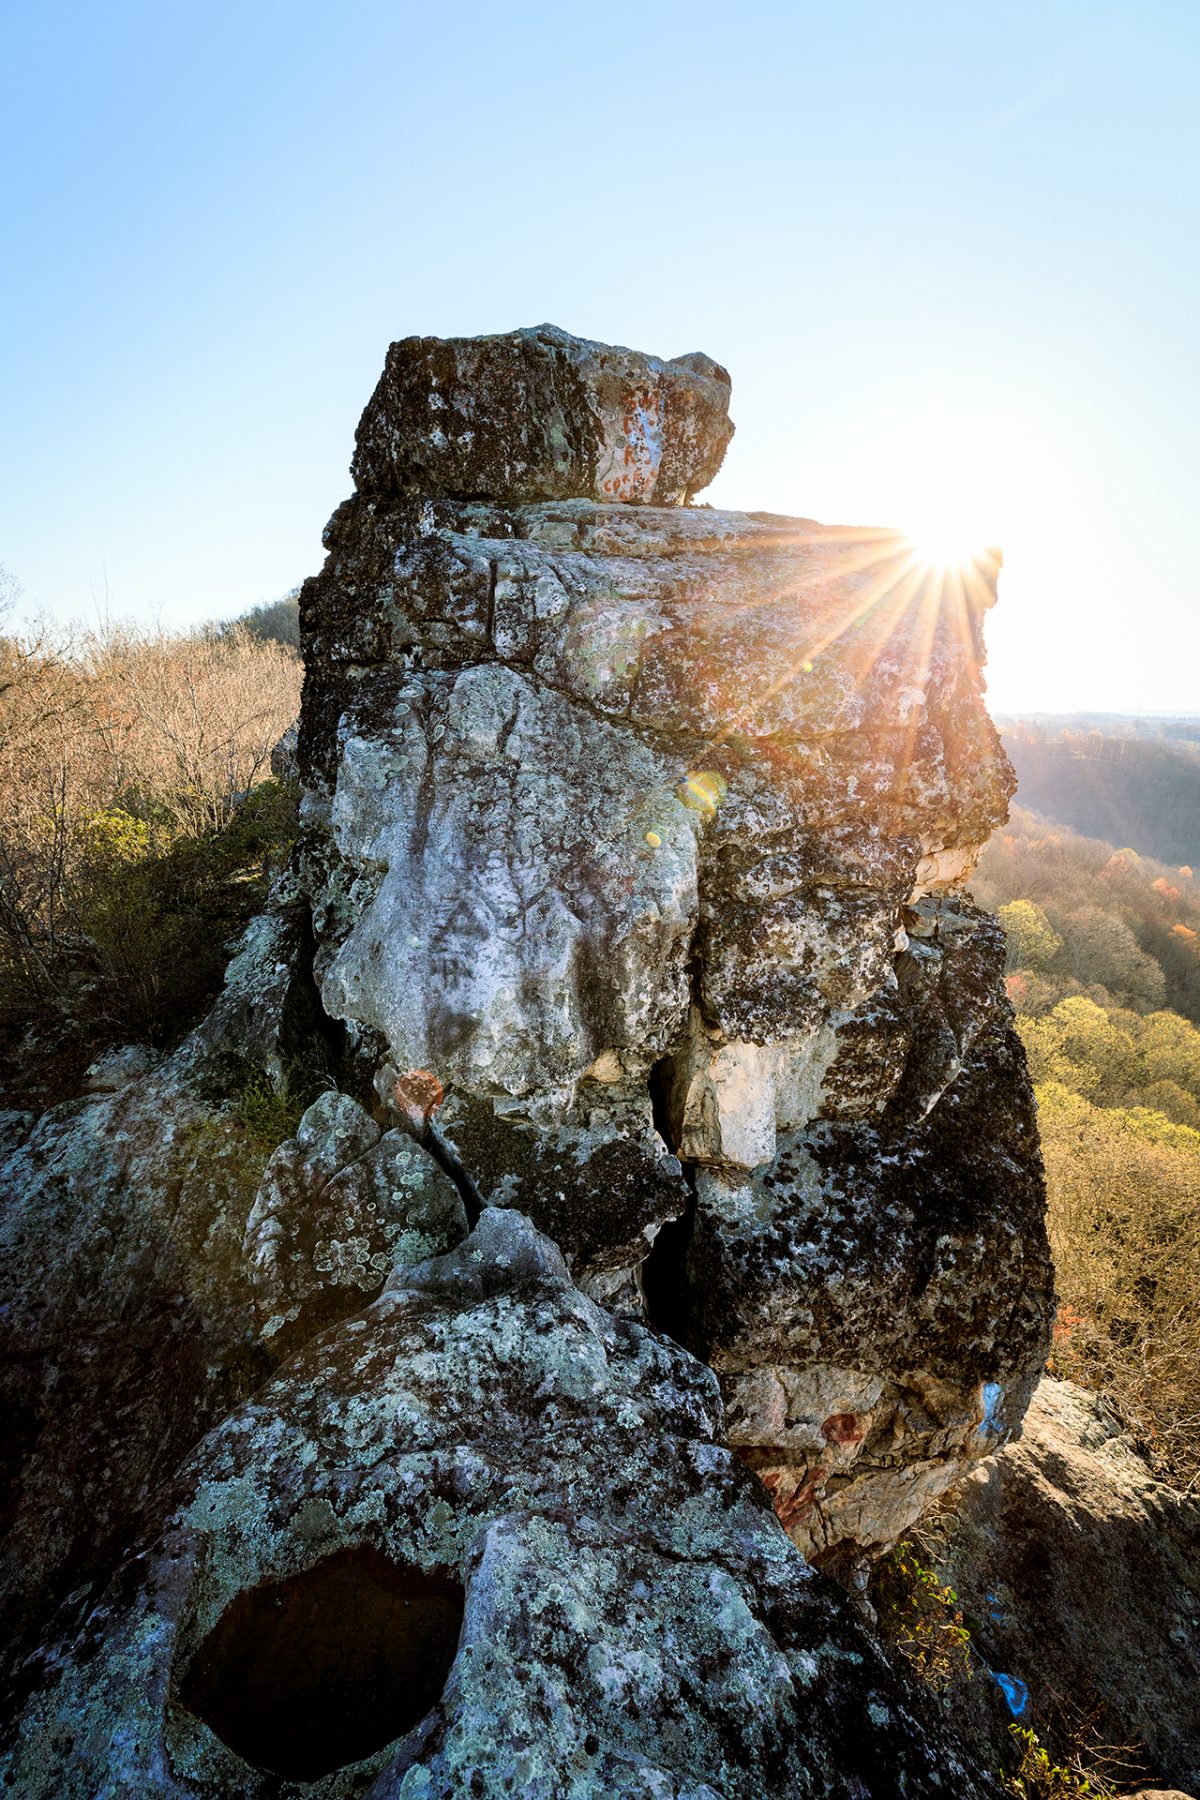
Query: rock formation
point(1081, 1576)
point(482, 1539)
point(641, 829)
point(628, 921)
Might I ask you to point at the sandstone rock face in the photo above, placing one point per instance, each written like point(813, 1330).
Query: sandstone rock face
point(627, 929)
point(485, 1540)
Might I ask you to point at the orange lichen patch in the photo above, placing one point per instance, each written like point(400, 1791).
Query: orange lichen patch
point(843, 1429)
point(418, 1095)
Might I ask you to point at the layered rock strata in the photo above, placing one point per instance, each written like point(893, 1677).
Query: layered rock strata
point(627, 930)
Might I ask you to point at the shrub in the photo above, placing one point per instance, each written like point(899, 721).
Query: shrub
point(268, 1113)
point(1038, 1778)
point(137, 832)
point(919, 1616)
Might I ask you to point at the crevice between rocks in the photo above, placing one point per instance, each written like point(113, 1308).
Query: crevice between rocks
point(451, 1165)
point(664, 1271)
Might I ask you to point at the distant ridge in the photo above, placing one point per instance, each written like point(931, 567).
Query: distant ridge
point(1134, 782)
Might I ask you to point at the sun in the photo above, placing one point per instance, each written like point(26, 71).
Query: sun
point(947, 531)
point(945, 540)
point(946, 550)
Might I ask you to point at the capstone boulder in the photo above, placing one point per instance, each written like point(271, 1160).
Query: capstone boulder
point(542, 415)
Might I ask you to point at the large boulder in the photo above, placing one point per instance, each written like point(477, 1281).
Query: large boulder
point(542, 415)
point(1080, 1573)
point(482, 1540)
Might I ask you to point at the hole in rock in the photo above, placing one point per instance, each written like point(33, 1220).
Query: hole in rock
point(660, 1100)
point(304, 1675)
point(664, 1277)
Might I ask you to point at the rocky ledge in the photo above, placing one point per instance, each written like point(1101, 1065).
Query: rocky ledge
point(676, 1193)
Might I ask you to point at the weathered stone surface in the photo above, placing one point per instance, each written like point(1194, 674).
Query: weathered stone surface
point(128, 1322)
point(339, 1206)
point(117, 1068)
point(627, 899)
point(541, 415)
point(602, 1192)
point(639, 829)
point(283, 756)
point(632, 1620)
point(857, 1235)
point(1080, 1574)
point(511, 923)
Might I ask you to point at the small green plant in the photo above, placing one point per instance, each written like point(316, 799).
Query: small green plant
point(1038, 1778)
point(267, 1113)
point(920, 1617)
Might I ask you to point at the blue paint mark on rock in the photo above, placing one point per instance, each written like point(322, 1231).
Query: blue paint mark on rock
point(993, 1396)
point(1014, 1691)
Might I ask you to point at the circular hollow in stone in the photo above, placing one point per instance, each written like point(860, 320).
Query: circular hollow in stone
point(305, 1675)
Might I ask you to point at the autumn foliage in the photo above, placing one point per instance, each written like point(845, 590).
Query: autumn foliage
point(1104, 974)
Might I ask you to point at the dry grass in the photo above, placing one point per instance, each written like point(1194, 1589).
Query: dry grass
point(134, 795)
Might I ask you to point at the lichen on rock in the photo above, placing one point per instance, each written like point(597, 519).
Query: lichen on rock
point(339, 1206)
point(676, 1178)
point(629, 1619)
point(644, 830)
point(542, 415)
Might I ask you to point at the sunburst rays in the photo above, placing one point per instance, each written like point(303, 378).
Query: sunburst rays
point(872, 607)
point(849, 611)
point(894, 597)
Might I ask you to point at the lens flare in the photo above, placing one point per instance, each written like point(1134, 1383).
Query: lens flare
point(947, 546)
point(703, 790)
point(947, 535)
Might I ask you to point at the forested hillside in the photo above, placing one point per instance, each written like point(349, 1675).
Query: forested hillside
point(1128, 782)
point(1104, 971)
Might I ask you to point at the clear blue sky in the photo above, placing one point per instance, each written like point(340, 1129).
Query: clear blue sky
point(945, 251)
